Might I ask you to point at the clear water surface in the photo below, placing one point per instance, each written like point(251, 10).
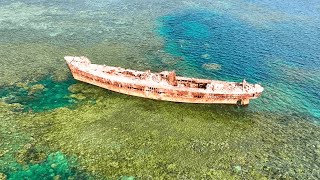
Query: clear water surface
point(53, 127)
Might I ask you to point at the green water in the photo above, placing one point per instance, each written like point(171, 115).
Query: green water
point(53, 127)
point(43, 95)
point(55, 166)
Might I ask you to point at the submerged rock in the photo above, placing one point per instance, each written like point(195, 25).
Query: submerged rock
point(211, 66)
point(205, 56)
point(36, 88)
point(237, 169)
point(126, 178)
point(57, 177)
point(22, 85)
point(75, 88)
point(78, 96)
point(3, 152)
point(3, 176)
point(30, 154)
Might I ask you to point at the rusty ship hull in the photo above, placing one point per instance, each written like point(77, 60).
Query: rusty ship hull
point(164, 86)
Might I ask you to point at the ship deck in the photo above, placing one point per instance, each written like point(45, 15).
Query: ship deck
point(137, 77)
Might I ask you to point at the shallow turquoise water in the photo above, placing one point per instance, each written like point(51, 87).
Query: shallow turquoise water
point(52, 95)
point(56, 165)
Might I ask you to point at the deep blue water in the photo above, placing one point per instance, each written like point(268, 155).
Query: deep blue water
point(284, 57)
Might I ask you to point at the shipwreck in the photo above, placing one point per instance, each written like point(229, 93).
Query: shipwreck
point(166, 85)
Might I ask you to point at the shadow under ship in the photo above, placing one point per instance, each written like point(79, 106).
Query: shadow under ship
point(164, 86)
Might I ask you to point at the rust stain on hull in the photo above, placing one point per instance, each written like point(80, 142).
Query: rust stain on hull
point(164, 86)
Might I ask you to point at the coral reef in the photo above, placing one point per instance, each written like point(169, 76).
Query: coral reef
point(120, 135)
point(56, 128)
